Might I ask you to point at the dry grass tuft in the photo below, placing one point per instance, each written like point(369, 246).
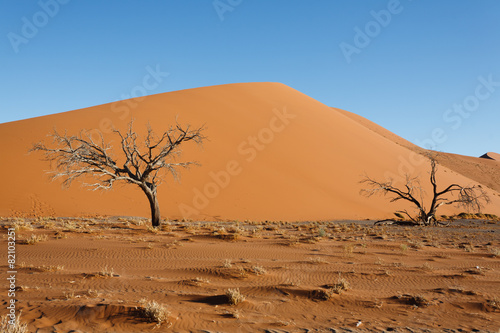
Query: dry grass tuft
point(258, 270)
point(467, 247)
point(495, 252)
point(349, 250)
point(153, 312)
point(234, 296)
point(153, 230)
point(330, 289)
point(69, 225)
point(415, 300)
point(22, 225)
point(18, 327)
point(92, 293)
point(322, 294)
point(51, 268)
point(69, 295)
point(317, 261)
point(233, 234)
point(34, 239)
point(198, 281)
point(339, 287)
point(106, 272)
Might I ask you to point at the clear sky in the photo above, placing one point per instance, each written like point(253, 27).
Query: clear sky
point(427, 70)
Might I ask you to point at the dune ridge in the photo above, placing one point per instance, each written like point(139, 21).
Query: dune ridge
point(491, 156)
point(482, 170)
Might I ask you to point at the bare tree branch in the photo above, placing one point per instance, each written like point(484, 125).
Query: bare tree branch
point(469, 197)
point(141, 164)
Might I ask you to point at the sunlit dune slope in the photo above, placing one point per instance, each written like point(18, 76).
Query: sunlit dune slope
point(273, 153)
point(485, 170)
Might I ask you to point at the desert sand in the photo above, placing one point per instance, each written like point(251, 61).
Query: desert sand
point(90, 275)
point(492, 156)
point(273, 213)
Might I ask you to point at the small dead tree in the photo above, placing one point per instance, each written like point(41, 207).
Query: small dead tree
point(142, 162)
point(468, 197)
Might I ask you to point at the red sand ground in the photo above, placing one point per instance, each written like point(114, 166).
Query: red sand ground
point(421, 278)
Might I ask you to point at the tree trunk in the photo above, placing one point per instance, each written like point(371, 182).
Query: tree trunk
point(153, 204)
point(155, 211)
point(429, 218)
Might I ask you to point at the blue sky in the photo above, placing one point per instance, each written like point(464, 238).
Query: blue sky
point(427, 70)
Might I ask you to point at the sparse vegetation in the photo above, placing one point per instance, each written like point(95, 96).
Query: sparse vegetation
point(475, 216)
point(329, 289)
point(341, 285)
point(69, 295)
point(153, 312)
point(287, 275)
point(258, 270)
point(35, 239)
point(106, 272)
point(198, 281)
point(18, 327)
point(348, 250)
point(415, 300)
point(21, 225)
point(322, 294)
point(153, 230)
point(234, 296)
point(317, 261)
point(495, 251)
point(51, 268)
point(227, 263)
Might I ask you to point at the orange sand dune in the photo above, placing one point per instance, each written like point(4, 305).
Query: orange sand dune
point(482, 170)
point(491, 156)
point(273, 153)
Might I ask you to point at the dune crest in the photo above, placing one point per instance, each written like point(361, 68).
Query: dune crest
point(491, 156)
point(273, 154)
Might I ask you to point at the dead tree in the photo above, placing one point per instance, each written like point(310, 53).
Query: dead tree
point(468, 197)
point(142, 162)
